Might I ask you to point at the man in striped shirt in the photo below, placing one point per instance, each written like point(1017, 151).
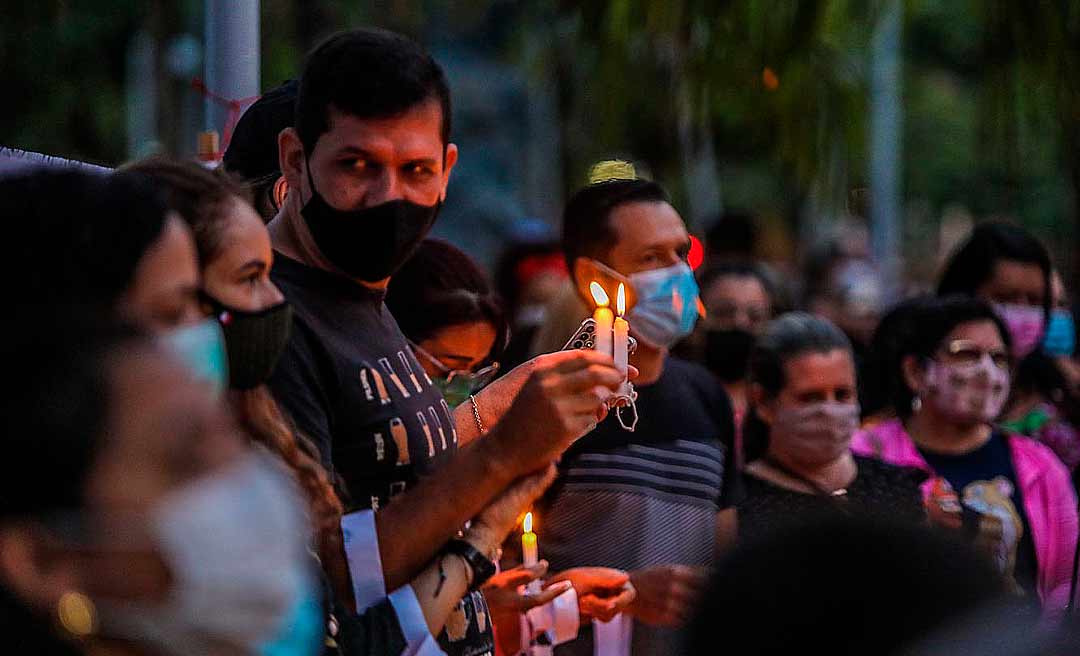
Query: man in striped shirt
point(648, 501)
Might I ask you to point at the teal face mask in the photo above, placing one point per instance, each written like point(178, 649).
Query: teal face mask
point(201, 347)
point(1060, 336)
point(457, 385)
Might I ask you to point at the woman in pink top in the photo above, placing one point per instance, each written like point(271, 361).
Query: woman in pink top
point(1013, 493)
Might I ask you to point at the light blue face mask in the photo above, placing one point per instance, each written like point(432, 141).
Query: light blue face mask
point(667, 304)
point(1060, 338)
point(201, 347)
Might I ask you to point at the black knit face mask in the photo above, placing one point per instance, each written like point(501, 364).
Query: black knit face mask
point(371, 243)
point(253, 341)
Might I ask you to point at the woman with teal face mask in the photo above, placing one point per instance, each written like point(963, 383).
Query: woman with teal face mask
point(454, 321)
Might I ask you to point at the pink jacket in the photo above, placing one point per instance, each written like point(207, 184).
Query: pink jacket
point(1049, 500)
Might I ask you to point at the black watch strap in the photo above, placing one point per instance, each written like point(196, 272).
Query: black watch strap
point(483, 568)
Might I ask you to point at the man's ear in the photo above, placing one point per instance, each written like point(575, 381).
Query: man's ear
point(761, 404)
point(449, 160)
point(912, 371)
point(279, 191)
point(291, 159)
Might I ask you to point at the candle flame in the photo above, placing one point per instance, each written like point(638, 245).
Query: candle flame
point(527, 524)
point(598, 294)
point(620, 300)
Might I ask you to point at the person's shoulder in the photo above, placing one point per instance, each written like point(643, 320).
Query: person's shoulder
point(705, 385)
point(1030, 449)
point(694, 374)
point(882, 470)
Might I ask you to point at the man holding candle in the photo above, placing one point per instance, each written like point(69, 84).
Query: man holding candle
point(367, 166)
point(649, 501)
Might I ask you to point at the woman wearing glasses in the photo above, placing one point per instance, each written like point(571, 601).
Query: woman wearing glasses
point(1011, 494)
point(455, 323)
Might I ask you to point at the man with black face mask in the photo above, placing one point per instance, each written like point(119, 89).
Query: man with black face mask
point(739, 301)
point(367, 165)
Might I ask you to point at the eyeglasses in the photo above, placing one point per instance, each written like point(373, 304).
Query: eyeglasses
point(477, 379)
point(965, 351)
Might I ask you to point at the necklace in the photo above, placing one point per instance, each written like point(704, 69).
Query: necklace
point(839, 493)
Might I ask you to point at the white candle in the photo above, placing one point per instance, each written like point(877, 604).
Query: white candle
point(530, 550)
point(604, 318)
point(621, 332)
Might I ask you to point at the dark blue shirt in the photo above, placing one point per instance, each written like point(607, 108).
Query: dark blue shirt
point(986, 482)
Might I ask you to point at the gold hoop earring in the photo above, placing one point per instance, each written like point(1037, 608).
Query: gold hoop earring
point(77, 614)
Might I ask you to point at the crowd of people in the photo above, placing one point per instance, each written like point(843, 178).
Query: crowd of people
point(258, 410)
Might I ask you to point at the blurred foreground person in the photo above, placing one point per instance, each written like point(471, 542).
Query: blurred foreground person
point(1010, 493)
point(804, 412)
point(133, 518)
point(851, 586)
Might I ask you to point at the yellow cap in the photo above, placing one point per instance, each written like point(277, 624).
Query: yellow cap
point(612, 169)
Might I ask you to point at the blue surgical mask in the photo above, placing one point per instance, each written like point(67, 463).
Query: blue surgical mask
point(1060, 338)
point(201, 346)
point(667, 304)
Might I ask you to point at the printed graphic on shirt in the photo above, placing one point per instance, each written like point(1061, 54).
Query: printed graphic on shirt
point(450, 417)
point(427, 433)
point(999, 523)
point(388, 370)
point(437, 423)
point(401, 440)
point(374, 388)
point(408, 369)
point(468, 630)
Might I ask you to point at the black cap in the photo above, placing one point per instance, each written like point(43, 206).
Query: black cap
point(253, 150)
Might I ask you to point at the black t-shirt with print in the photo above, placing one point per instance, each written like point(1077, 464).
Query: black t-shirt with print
point(985, 480)
point(351, 384)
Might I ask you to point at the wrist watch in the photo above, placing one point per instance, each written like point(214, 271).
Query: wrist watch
point(483, 567)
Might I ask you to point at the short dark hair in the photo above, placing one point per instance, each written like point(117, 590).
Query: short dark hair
point(739, 269)
point(733, 235)
point(440, 286)
point(586, 231)
point(78, 235)
point(972, 265)
point(930, 321)
point(784, 338)
point(199, 195)
point(367, 73)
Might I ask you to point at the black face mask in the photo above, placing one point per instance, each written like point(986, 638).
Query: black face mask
point(253, 341)
point(727, 353)
point(371, 243)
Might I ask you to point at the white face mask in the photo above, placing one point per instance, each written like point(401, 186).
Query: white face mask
point(243, 579)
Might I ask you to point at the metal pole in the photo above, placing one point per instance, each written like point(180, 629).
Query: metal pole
point(886, 125)
point(232, 55)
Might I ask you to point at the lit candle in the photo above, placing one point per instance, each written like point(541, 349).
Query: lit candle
point(604, 317)
point(530, 550)
point(621, 332)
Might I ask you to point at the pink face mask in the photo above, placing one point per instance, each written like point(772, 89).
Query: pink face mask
point(816, 432)
point(967, 393)
point(1025, 324)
